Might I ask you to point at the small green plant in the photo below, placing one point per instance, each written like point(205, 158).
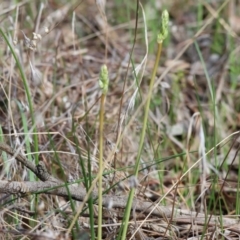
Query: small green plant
point(103, 83)
point(30, 44)
point(163, 33)
point(27, 90)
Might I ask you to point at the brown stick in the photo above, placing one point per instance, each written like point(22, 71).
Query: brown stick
point(53, 186)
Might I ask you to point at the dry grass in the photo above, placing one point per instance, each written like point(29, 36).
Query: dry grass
point(188, 185)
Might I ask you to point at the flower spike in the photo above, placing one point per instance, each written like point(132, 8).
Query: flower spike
point(103, 79)
point(164, 27)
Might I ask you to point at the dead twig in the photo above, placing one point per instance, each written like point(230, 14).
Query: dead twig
point(53, 186)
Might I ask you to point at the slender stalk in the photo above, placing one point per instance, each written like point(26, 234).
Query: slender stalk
point(26, 88)
point(100, 189)
point(103, 83)
point(143, 132)
point(161, 36)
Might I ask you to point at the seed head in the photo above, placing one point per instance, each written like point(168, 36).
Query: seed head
point(103, 79)
point(164, 27)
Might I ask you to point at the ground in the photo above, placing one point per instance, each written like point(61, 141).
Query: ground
point(57, 126)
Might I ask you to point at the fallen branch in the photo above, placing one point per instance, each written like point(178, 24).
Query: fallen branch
point(53, 186)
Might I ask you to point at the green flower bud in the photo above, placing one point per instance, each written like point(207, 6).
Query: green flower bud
point(164, 27)
point(103, 79)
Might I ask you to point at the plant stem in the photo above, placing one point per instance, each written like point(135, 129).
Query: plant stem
point(143, 132)
point(26, 88)
point(100, 190)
